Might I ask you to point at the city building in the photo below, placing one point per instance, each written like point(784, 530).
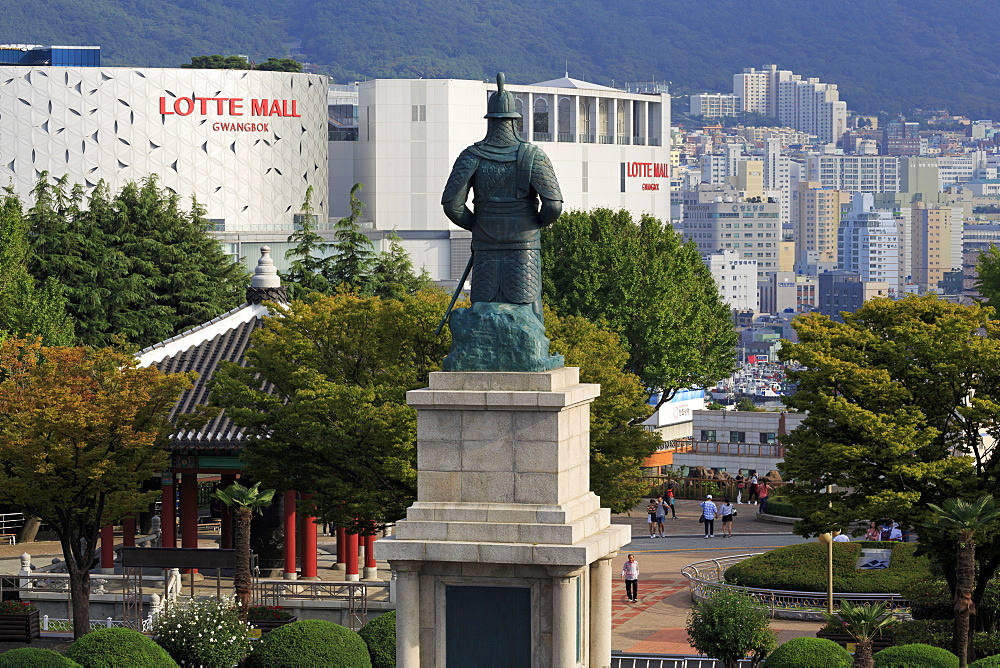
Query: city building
point(735, 278)
point(36, 55)
point(714, 105)
point(785, 291)
point(245, 144)
point(854, 173)
point(868, 243)
point(840, 291)
point(804, 104)
point(717, 218)
point(936, 242)
point(901, 138)
point(609, 148)
point(816, 218)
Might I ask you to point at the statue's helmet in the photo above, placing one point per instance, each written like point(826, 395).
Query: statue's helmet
point(502, 103)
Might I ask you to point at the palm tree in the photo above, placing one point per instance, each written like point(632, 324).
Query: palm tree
point(244, 501)
point(963, 520)
point(863, 623)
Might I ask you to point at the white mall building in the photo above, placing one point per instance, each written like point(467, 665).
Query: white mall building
point(246, 144)
point(610, 148)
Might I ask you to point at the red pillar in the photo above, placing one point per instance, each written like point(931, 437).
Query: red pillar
point(289, 526)
point(352, 557)
point(371, 569)
point(341, 547)
point(226, 529)
point(189, 512)
point(128, 532)
point(168, 519)
point(309, 549)
point(108, 548)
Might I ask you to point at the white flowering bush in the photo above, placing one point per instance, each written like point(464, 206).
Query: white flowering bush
point(203, 632)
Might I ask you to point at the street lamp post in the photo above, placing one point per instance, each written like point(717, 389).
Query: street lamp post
point(828, 539)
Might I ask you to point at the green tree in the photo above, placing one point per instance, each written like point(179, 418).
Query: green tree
point(279, 65)
point(988, 276)
point(746, 404)
point(217, 62)
point(862, 622)
point(132, 263)
point(618, 444)
point(730, 625)
point(80, 433)
point(961, 521)
point(650, 287)
point(311, 265)
point(335, 421)
point(27, 306)
point(393, 275)
point(355, 256)
point(245, 501)
point(897, 396)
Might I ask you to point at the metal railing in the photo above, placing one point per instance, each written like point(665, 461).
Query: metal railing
point(605, 139)
point(623, 139)
point(588, 139)
point(629, 660)
point(768, 450)
point(705, 577)
point(565, 136)
point(697, 488)
point(10, 525)
point(639, 141)
point(542, 136)
point(61, 626)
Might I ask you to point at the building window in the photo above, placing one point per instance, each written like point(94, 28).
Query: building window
point(768, 438)
point(708, 434)
point(418, 112)
point(540, 120)
point(737, 437)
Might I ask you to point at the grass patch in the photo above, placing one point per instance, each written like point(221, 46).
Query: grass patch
point(803, 568)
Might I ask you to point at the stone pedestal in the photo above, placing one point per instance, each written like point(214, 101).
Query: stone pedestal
point(504, 507)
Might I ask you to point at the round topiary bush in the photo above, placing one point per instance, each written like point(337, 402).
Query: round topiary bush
point(985, 662)
point(380, 636)
point(311, 643)
point(118, 648)
point(800, 652)
point(916, 655)
point(35, 657)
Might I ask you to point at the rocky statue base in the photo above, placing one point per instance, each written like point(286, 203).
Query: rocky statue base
point(492, 336)
point(505, 558)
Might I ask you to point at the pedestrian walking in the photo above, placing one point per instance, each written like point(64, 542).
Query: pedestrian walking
point(630, 574)
point(740, 484)
point(661, 515)
point(670, 500)
point(728, 512)
point(752, 488)
point(651, 511)
point(708, 513)
point(763, 490)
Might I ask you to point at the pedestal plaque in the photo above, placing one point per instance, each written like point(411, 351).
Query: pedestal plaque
point(504, 500)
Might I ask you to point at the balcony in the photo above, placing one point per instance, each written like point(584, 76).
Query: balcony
point(587, 139)
point(606, 139)
point(639, 141)
point(565, 136)
point(654, 141)
point(541, 136)
point(623, 140)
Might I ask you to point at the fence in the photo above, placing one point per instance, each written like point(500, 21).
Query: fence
point(667, 661)
point(764, 450)
point(357, 595)
point(705, 577)
point(697, 488)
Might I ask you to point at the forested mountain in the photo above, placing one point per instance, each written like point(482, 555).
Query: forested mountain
point(885, 54)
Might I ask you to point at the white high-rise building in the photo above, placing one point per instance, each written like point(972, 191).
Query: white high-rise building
point(735, 278)
point(855, 173)
point(868, 243)
point(714, 105)
point(804, 104)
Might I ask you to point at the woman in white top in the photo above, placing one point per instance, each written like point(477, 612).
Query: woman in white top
point(727, 511)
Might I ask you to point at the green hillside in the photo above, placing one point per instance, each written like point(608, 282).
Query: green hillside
point(884, 54)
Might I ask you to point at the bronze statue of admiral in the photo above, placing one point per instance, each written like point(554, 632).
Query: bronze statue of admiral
point(515, 195)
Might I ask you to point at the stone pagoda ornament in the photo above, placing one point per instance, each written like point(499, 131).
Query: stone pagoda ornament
point(516, 194)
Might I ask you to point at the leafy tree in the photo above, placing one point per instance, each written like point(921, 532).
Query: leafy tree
point(132, 263)
point(355, 256)
point(729, 626)
point(988, 276)
point(746, 404)
point(311, 266)
point(245, 501)
point(217, 62)
point(897, 396)
point(336, 422)
point(650, 287)
point(618, 444)
point(27, 307)
point(80, 433)
point(279, 65)
point(862, 622)
point(962, 521)
point(393, 275)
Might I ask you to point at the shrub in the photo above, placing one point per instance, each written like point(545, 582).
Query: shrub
point(782, 509)
point(203, 632)
point(118, 648)
point(267, 613)
point(799, 652)
point(929, 599)
point(311, 643)
point(916, 655)
point(936, 632)
point(803, 568)
point(15, 607)
point(729, 625)
point(380, 636)
point(986, 662)
point(35, 657)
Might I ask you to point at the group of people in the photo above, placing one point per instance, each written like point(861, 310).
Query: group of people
point(884, 529)
point(757, 490)
point(657, 511)
point(709, 511)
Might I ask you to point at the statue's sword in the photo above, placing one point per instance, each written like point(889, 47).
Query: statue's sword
point(454, 297)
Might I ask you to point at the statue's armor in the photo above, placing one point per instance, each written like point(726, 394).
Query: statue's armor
point(506, 227)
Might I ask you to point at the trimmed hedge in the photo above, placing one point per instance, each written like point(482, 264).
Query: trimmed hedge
point(803, 568)
point(782, 509)
point(310, 643)
point(802, 652)
point(35, 657)
point(987, 662)
point(118, 648)
point(916, 655)
point(380, 636)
